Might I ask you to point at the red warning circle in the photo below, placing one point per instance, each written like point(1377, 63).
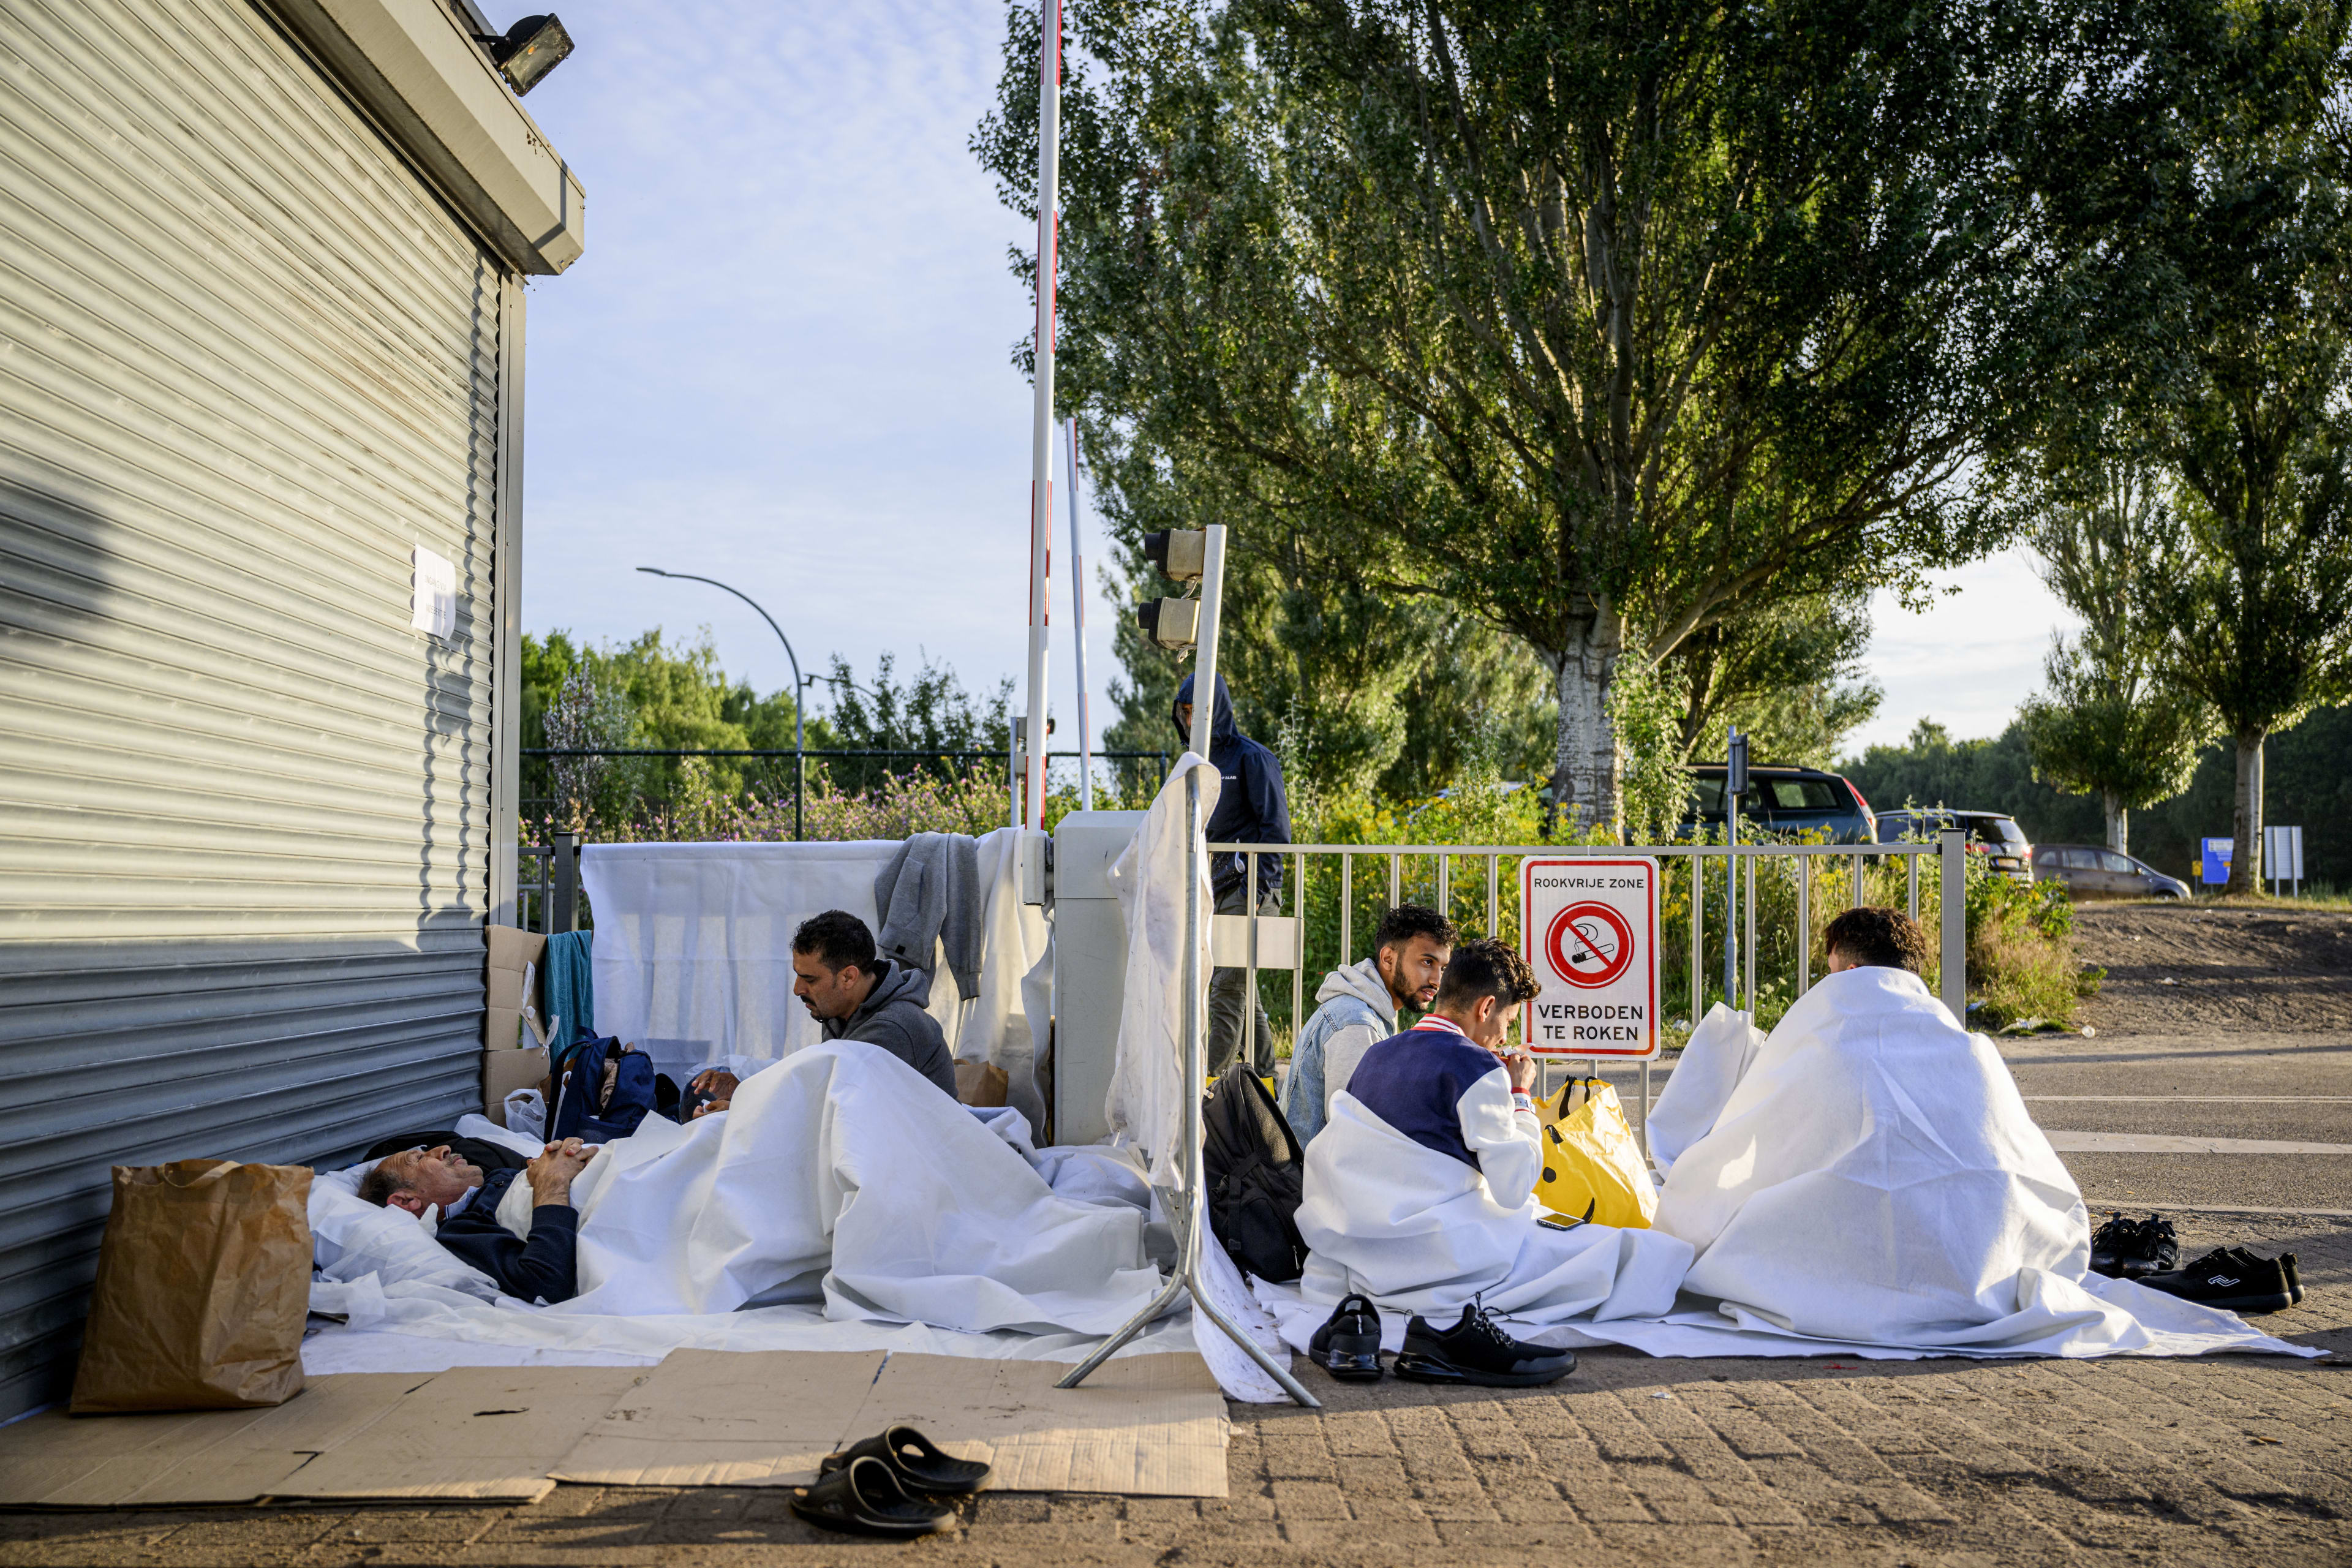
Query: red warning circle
point(1589, 944)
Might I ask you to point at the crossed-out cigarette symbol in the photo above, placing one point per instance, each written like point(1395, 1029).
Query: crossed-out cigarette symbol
point(1589, 944)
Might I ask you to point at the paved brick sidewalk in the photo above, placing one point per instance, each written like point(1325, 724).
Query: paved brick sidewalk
point(2234, 1460)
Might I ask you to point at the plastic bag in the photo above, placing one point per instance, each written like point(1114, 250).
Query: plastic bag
point(1593, 1167)
point(204, 1283)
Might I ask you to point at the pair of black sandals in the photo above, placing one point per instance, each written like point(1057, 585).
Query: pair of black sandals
point(891, 1485)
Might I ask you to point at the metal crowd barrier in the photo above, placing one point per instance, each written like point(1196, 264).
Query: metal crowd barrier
point(1250, 939)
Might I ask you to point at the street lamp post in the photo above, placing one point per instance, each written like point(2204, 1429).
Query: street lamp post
point(800, 688)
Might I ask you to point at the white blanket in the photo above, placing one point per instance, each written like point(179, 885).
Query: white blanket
point(1419, 1231)
point(1873, 1178)
point(693, 950)
point(1865, 1181)
point(842, 1167)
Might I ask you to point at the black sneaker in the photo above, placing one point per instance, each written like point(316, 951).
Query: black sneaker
point(2235, 1284)
point(2111, 1243)
point(1475, 1351)
point(2156, 1250)
point(2285, 1264)
point(1348, 1345)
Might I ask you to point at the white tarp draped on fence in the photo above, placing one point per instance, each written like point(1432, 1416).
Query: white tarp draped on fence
point(693, 947)
point(1146, 1103)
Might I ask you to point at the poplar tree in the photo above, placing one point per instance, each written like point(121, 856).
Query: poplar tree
point(1605, 322)
point(2108, 724)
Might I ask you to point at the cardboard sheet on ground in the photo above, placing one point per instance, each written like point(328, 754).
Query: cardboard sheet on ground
point(1150, 1426)
point(476, 1434)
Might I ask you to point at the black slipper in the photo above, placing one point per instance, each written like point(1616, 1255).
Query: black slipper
point(919, 1463)
point(864, 1498)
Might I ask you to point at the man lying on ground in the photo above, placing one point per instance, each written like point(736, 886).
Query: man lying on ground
point(1357, 1005)
point(491, 1157)
point(1873, 1174)
point(478, 1223)
point(854, 995)
point(1420, 1191)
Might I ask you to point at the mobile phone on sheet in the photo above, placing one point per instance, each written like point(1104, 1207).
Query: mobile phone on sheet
point(1557, 1222)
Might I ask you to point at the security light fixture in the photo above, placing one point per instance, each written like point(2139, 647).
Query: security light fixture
point(1179, 552)
point(527, 50)
point(1170, 623)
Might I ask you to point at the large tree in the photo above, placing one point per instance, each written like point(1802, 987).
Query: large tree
point(2221, 278)
point(2108, 724)
point(1605, 322)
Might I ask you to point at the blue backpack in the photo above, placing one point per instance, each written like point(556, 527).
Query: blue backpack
point(604, 1090)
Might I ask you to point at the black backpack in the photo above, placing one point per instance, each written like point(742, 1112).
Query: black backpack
point(1255, 1169)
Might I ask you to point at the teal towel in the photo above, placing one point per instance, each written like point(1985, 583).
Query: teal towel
point(570, 989)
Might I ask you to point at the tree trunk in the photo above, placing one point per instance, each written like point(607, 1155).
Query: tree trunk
point(2246, 854)
point(2118, 822)
point(1586, 770)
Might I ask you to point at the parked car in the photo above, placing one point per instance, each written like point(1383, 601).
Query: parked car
point(2088, 871)
point(1785, 800)
point(1992, 835)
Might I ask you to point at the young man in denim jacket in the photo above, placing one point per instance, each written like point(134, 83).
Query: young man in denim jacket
point(1357, 1005)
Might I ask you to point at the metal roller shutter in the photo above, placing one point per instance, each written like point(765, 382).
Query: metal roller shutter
point(248, 361)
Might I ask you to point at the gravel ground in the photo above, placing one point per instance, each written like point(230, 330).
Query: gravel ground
point(2191, 968)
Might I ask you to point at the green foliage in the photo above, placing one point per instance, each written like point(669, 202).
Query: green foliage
point(2308, 771)
point(2108, 725)
point(2218, 292)
point(1601, 324)
point(2020, 946)
point(1791, 676)
point(1645, 708)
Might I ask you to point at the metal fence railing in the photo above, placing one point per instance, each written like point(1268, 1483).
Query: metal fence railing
point(1786, 893)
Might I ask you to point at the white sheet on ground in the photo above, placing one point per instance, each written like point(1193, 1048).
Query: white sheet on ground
point(693, 949)
point(1145, 1104)
point(411, 1327)
point(1419, 1231)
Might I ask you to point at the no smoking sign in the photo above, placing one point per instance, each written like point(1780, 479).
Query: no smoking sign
point(1591, 937)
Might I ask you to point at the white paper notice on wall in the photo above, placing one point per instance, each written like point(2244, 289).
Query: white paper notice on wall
point(433, 596)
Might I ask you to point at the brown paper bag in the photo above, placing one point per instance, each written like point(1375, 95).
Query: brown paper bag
point(204, 1283)
point(981, 1083)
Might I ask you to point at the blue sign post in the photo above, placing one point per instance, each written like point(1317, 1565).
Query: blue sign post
point(2217, 861)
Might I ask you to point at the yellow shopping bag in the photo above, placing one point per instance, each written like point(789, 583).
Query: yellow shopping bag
point(1592, 1168)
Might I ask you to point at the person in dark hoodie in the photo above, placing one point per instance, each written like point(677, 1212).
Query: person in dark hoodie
point(1251, 809)
point(856, 996)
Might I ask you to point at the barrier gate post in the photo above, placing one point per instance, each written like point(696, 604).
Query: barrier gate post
point(1187, 1205)
point(1952, 873)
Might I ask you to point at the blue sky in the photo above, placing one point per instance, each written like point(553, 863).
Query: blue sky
point(784, 362)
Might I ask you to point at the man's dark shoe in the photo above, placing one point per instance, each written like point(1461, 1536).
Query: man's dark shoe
point(2242, 1283)
point(2156, 1250)
point(2111, 1243)
point(1476, 1351)
point(1348, 1345)
point(2285, 1264)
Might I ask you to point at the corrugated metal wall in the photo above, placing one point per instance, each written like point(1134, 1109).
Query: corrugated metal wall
point(247, 361)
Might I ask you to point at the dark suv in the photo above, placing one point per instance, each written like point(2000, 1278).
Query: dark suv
point(1784, 800)
point(1992, 835)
